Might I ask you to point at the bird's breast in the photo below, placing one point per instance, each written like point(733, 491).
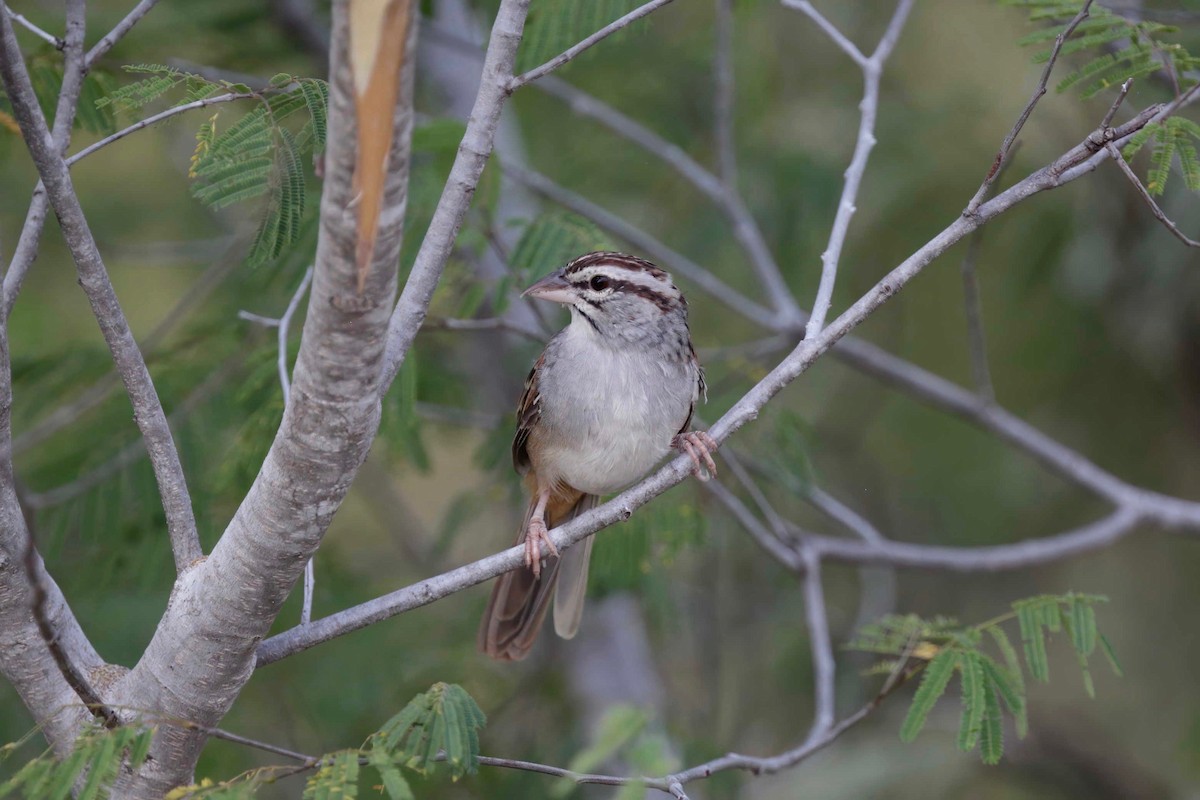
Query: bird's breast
point(609, 417)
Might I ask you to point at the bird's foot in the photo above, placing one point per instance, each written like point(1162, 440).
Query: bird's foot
point(698, 445)
point(535, 534)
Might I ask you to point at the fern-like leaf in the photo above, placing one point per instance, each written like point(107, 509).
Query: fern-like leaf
point(991, 730)
point(555, 238)
point(1160, 161)
point(555, 25)
point(1010, 680)
point(933, 685)
point(973, 691)
point(316, 98)
point(335, 779)
point(87, 772)
point(443, 719)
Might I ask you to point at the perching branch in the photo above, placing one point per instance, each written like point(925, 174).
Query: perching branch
point(1167, 512)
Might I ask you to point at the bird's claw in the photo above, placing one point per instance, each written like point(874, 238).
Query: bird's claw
point(698, 445)
point(535, 534)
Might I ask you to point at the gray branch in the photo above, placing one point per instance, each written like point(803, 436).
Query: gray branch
point(36, 664)
point(202, 652)
point(93, 276)
point(1159, 214)
point(872, 69)
point(64, 117)
point(1168, 512)
point(573, 51)
point(1006, 146)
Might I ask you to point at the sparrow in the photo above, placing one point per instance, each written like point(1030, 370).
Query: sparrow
point(610, 396)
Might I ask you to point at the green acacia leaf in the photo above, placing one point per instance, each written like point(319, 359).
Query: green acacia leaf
point(393, 781)
point(973, 699)
point(1034, 642)
point(1107, 649)
point(934, 681)
point(336, 779)
point(991, 732)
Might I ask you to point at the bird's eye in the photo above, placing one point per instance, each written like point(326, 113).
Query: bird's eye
point(599, 282)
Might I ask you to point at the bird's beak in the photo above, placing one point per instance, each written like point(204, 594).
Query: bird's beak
point(554, 287)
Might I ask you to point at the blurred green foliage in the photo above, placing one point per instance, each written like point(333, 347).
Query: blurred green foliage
point(1093, 327)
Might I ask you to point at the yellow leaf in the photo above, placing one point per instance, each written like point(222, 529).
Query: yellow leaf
point(926, 651)
point(6, 121)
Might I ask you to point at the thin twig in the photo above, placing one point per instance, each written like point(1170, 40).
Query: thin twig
point(110, 39)
point(872, 69)
point(99, 391)
point(723, 94)
point(1006, 146)
point(824, 666)
point(1112, 110)
point(486, 324)
point(35, 30)
point(156, 118)
point(1159, 214)
point(148, 412)
point(266, 747)
point(680, 265)
point(284, 329)
point(595, 38)
point(837, 37)
point(71, 674)
point(724, 197)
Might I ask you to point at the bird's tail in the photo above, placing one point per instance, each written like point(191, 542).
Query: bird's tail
point(519, 601)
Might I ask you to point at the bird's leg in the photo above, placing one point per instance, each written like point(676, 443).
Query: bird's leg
point(698, 445)
point(536, 533)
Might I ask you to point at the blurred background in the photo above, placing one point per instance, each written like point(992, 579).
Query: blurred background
point(1092, 317)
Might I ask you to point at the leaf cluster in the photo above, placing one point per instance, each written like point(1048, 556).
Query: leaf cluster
point(1173, 137)
point(1119, 49)
point(87, 773)
point(46, 75)
point(555, 25)
point(258, 157)
point(438, 727)
point(990, 679)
